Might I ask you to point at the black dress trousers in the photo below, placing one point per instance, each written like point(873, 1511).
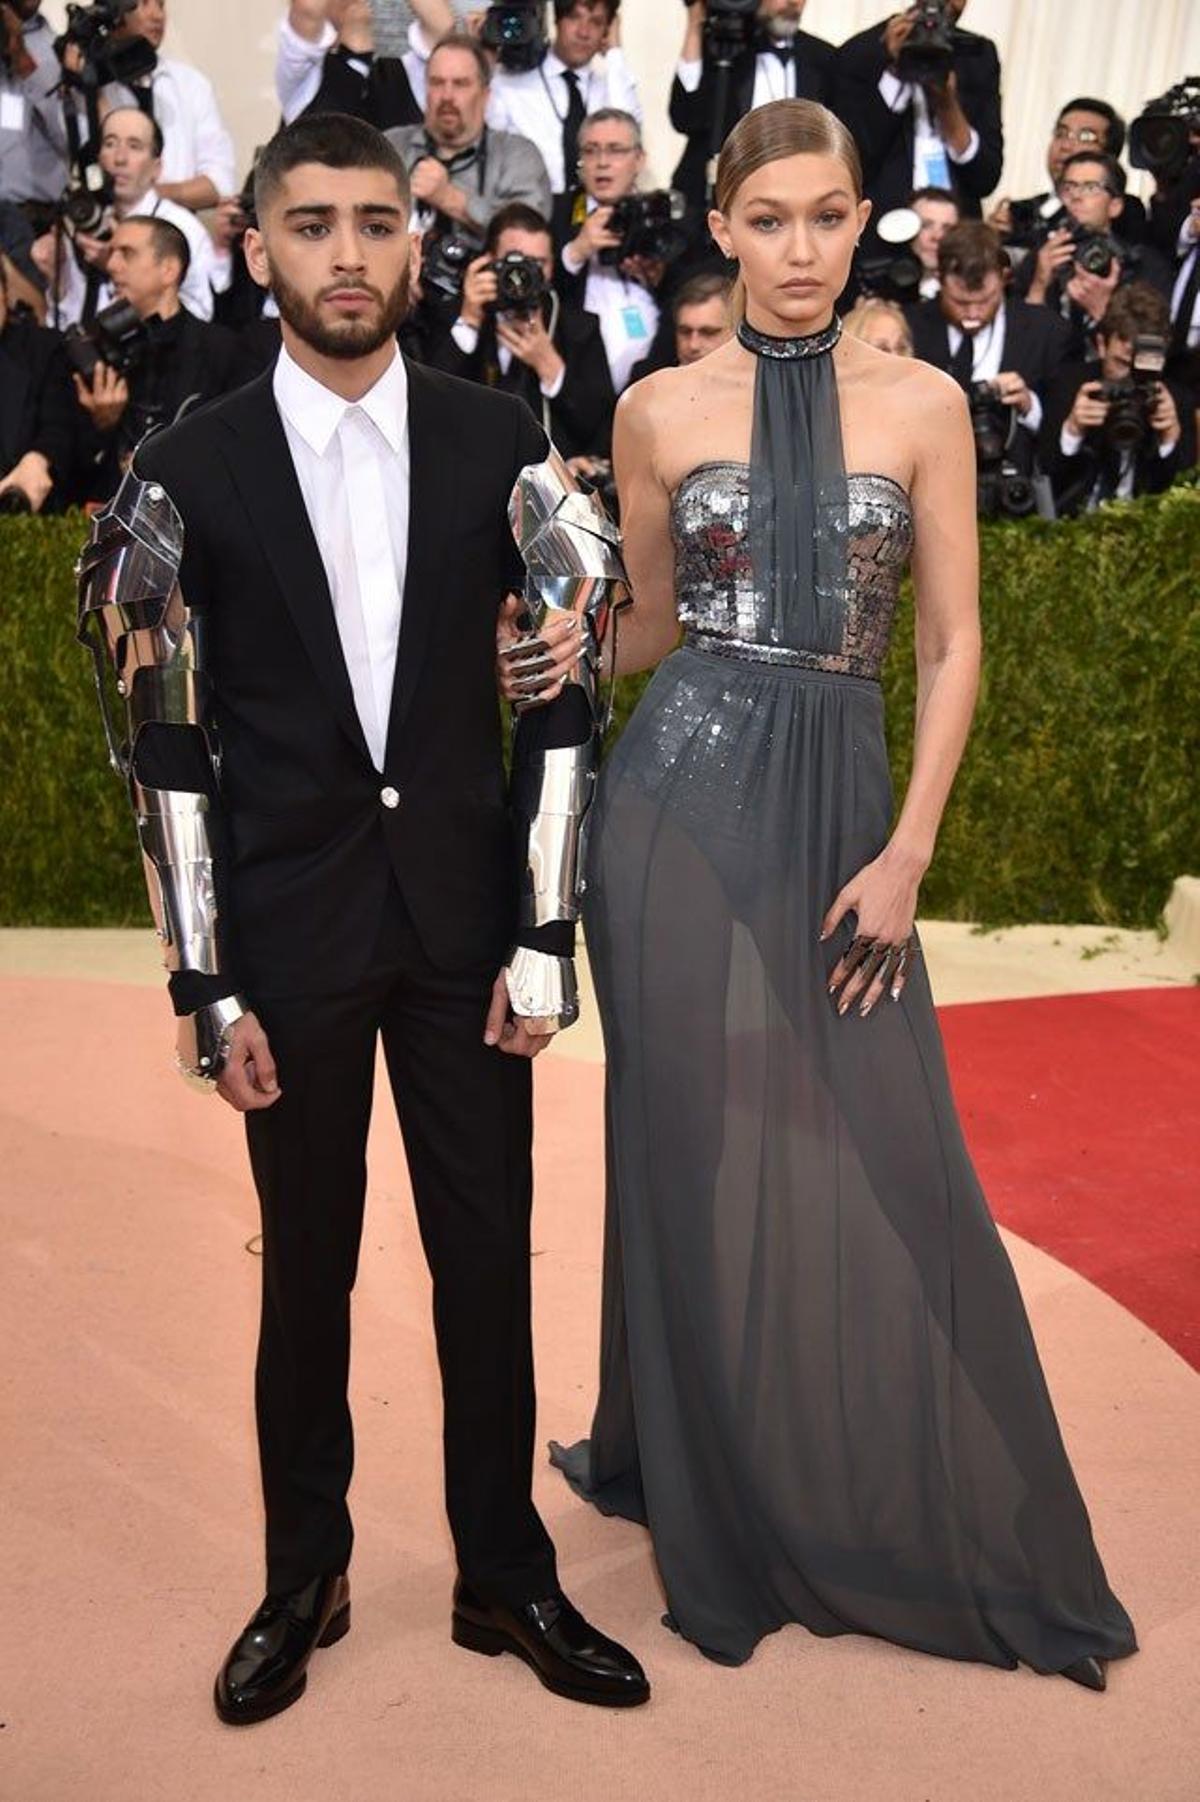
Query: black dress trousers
point(465, 1112)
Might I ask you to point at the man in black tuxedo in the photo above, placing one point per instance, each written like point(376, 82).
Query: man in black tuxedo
point(976, 331)
point(550, 353)
point(944, 132)
point(781, 63)
point(345, 548)
point(38, 418)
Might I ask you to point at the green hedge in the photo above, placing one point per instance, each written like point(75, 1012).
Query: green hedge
point(1078, 798)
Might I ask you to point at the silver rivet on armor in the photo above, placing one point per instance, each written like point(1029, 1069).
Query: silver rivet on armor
point(154, 493)
point(390, 797)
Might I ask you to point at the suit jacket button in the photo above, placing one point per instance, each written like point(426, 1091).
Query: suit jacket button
point(390, 797)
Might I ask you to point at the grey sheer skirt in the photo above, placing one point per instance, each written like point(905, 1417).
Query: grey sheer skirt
point(818, 1384)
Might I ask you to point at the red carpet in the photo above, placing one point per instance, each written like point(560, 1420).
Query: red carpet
point(1082, 1115)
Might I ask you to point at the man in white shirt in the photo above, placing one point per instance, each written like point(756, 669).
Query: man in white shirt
point(198, 161)
point(131, 147)
point(311, 30)
point(621, 293)
point(583, 70)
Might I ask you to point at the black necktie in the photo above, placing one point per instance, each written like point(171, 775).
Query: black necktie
point(962, 363)
point(575, 116)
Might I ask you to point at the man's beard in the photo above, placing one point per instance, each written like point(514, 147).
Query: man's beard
point(349, 338)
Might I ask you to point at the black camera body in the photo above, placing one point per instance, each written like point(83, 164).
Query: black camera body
point(521, 284)
point(1160, 139)
point(1001, 491)
point(929, 51)
point(1131, 400)
point(1094, 251)
point(90, 30)
point(117, 336)
point(516, 31)
point(86, 203)
point(730, 27)
point(649, 225)
point(1029, 227)
point(444, 263)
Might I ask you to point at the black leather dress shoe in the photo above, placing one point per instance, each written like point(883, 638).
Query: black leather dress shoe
point(1089, 1672)
point(267, 1669)
point(566, 1654)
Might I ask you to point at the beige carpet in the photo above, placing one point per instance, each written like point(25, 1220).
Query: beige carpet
point(131, 1528)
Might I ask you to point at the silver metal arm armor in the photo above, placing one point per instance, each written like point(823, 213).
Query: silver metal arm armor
point(132, 616)
point(573, 561)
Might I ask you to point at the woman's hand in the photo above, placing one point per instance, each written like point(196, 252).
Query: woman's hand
point(533, 668)
point(883, 898)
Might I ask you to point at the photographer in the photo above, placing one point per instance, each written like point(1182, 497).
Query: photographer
point(326, 62)
point(702, 316)
point(1185, 295)
point(131, 148)
point(198, 163)
point(168, 357)
point(527, 341)
point(1122, 430)
point(33, 144)
point(938, 212)
point(37, 413)
point(583, 70)
point(461, 170)
point(604, 267)
point(775, 61)
point(1082, 125)
point(1080, 265)
point(979, 334)
point(922, 98)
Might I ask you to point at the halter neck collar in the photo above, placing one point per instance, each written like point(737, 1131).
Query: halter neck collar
point(790, 350)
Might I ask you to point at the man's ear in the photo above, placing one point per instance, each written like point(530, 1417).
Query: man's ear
point(255, 252)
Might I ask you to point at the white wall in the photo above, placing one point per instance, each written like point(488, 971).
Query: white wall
point(1124, 51)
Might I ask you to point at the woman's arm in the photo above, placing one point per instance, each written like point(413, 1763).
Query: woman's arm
point(883, 895)
point(650, 628)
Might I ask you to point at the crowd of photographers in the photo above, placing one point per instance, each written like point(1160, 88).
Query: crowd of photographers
point(1070, 317)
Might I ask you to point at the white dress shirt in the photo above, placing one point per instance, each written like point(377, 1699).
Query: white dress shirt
point(774, 78)
point(1188, 248)
point(627, 311)
point(987, 360)
point(195, 140)
point(932, 156)
point(352, 463)
point(195, 291)
point(534, 103)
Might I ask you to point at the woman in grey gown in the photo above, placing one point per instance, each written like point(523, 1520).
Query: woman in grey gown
point(819, 1389)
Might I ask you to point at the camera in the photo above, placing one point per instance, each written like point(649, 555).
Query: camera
point(730, 26)
point(1131, 400)
point(90, 30)
point(520, 284)
point(895, 272)
point(116, 336)
point(444, 263)
point(516, 31)
point(1094, 251)
point(648, 226)
point(1001, 491)
point(1160, 139)
point(1029, 227)
point(928, 53)
point(86, 203)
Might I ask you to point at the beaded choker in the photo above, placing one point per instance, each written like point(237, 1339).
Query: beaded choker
point(790, 350)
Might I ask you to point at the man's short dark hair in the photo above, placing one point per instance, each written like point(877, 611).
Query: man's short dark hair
point(699, 290)
point(515, 217)
point(971, 251)
point(462, 40)
point(1114, 175)
point(157, 141)
point(944, 194)
point(1114, 137)
point(333, 139)
point(1135, 309)
point(166, 240)
point(562, 8)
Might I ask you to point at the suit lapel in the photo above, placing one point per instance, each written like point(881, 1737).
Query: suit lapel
point(432, 456)
point(257, 452)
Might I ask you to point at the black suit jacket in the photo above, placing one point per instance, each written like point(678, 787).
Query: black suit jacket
point(1035, 345)
point(38, 411)
point(1074, 478)
point(310, 846)
point(580, 415)
point(885, 138)
point(692, 114)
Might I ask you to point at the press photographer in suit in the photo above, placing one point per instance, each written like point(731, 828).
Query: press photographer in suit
point(778, 61)
point(528, 342)
point(978, 332)
point(922, 98)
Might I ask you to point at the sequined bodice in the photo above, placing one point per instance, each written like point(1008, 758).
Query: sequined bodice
point(715, 592)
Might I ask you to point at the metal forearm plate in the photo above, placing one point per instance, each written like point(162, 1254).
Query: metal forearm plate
point(177, 852)
point(550, 797)
point(202, 1045)
point(542, 987)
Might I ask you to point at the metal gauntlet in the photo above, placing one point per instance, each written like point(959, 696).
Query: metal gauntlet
point(132, 616)
point(572, 553)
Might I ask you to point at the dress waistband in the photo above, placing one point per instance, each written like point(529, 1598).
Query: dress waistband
point(777, 657)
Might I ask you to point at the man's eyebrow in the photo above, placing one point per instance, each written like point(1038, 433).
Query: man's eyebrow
point(326, 210)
